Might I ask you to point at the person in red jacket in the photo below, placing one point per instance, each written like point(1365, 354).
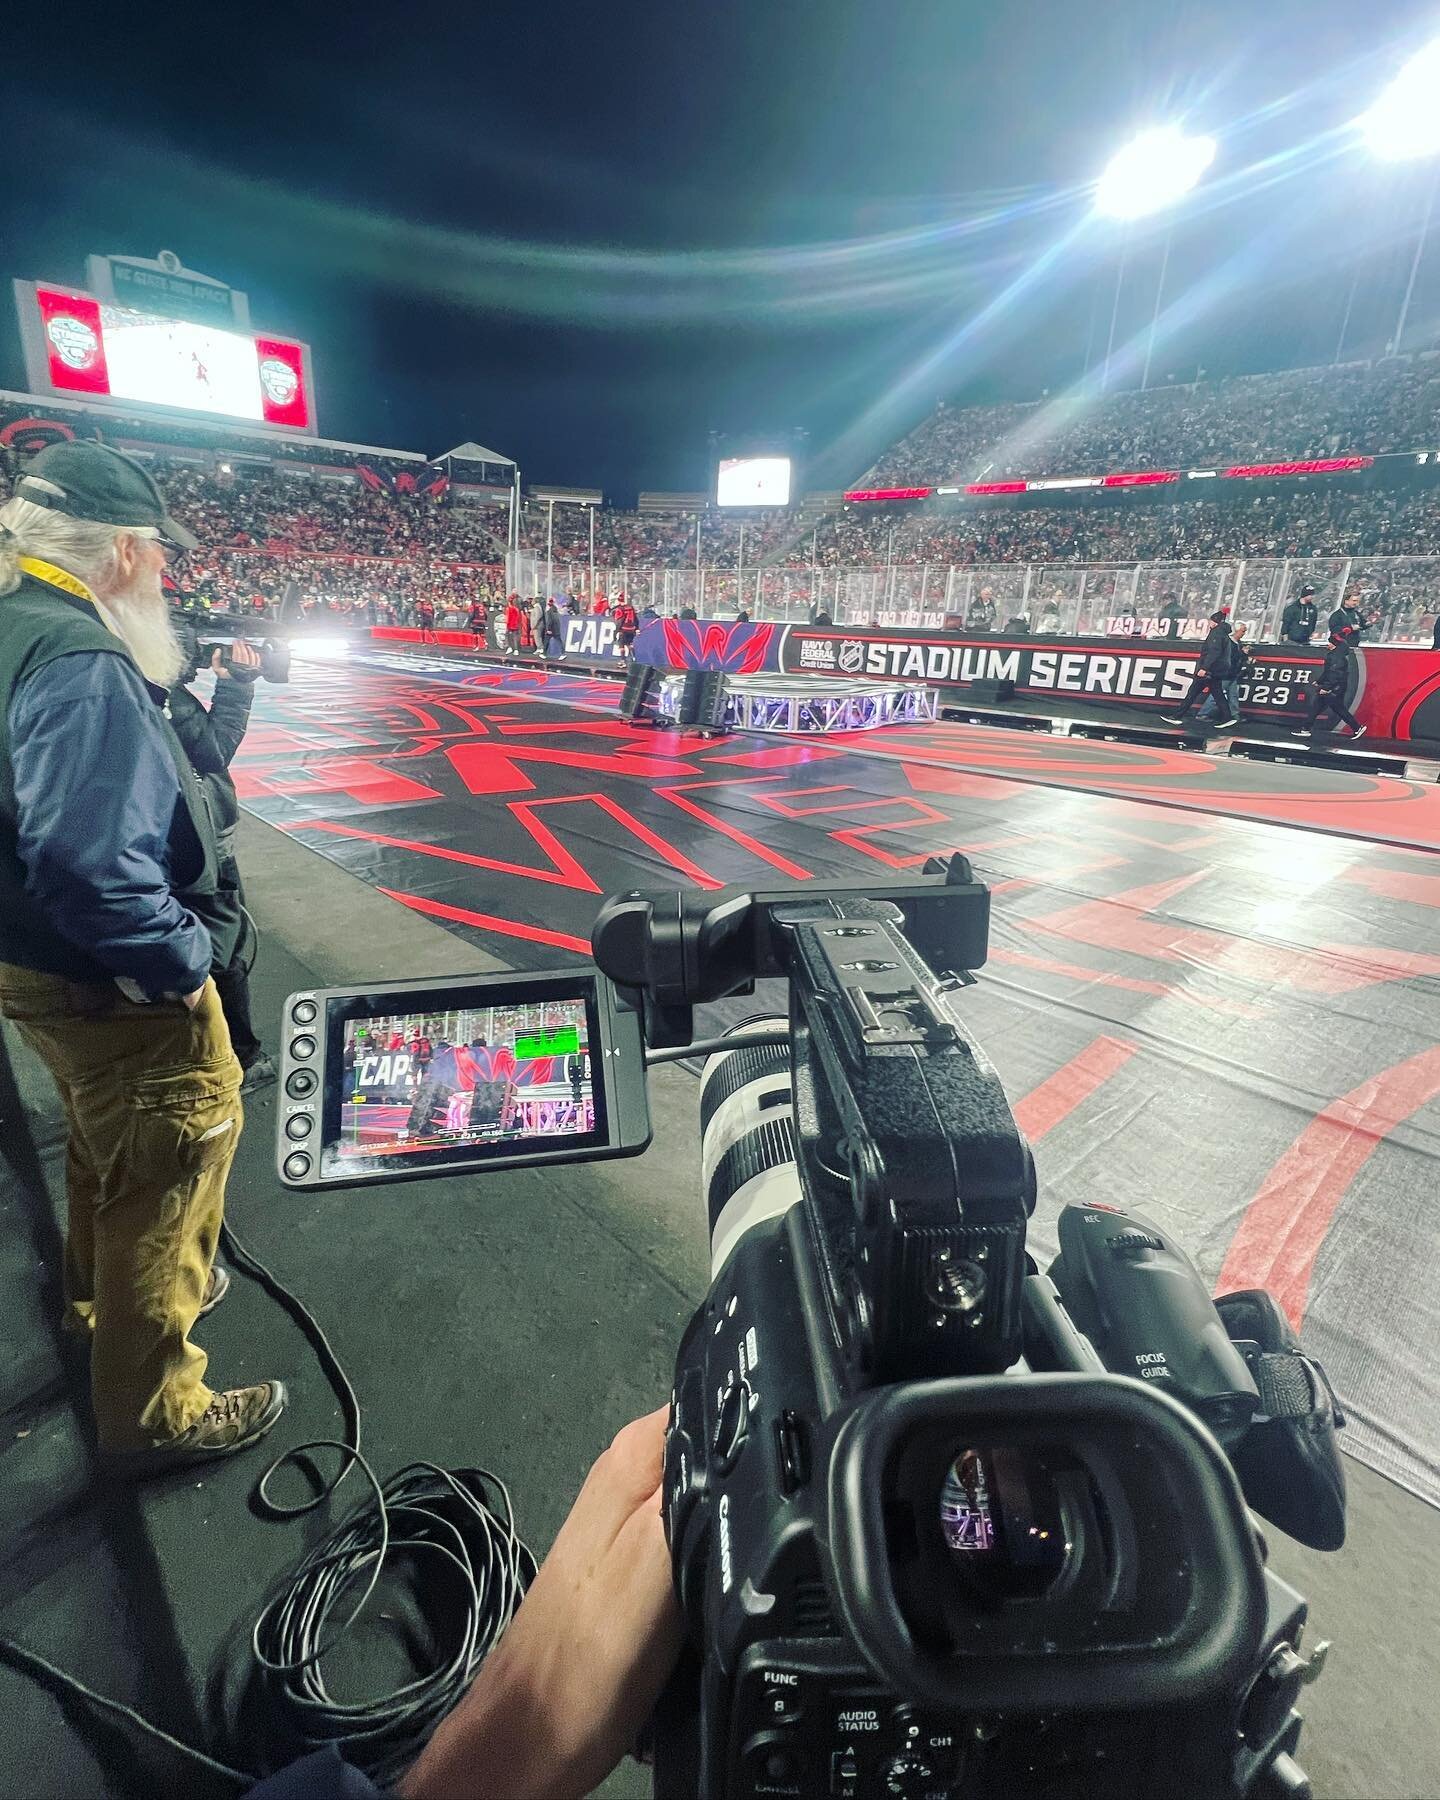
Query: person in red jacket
point(425, 617)
point(600, 606)
point(627, 623)
point(514, 624)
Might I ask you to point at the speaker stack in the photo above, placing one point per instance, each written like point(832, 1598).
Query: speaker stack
point(641, 696)
point(702, 701)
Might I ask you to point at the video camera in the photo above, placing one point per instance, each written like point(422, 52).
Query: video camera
point(202, 634)
point(942, 1525)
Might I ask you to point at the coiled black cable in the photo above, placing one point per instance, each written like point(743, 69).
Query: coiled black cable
point(459, 1522)
point(462, 1517)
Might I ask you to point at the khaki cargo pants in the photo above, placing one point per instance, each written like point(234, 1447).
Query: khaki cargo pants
point(152, 1099)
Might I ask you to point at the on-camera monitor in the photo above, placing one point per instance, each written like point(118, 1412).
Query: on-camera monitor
point(499, 1079)
point(753, 481)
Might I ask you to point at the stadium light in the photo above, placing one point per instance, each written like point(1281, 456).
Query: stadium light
point(1404, 122)
point(1152, 172)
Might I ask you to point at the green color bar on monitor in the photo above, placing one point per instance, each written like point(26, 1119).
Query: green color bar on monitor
point(563, 1041)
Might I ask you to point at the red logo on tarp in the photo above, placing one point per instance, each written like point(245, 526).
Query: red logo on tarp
point(738, 649)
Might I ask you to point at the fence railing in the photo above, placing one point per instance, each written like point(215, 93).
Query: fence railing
point(1071, 598)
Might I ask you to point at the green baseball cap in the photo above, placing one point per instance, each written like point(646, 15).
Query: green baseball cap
point(86, 480)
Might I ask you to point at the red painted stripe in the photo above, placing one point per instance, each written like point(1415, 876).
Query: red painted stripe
point(1396, 884)
point(736, 835)
point(676, 858)
point(567, 872)
point(1285, 1224)
point(1056, 1098)
point(462, 915)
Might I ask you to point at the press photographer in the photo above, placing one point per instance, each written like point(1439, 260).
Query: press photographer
point(210, 738)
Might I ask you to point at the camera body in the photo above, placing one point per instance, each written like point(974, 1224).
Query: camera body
point(800, 1680)
point(200, 636)
point(906, 1572)
point(941, 1524)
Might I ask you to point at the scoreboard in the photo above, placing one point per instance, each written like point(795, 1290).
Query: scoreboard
point(111, 354)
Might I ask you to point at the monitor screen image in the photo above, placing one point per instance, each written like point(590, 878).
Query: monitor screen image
point(486, 1078)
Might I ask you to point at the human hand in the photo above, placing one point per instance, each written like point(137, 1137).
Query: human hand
point(564, 1694)
point(244, 660)
point(193, 1000)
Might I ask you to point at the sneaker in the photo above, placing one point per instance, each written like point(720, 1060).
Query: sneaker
point(1173, 719)
point(234, 1420)
point(1227, 724)
point(1358, 732)
point(259, 1074)
point(1304, 731)
point(216, 1288)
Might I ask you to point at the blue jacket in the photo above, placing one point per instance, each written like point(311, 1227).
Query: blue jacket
point(97, 796)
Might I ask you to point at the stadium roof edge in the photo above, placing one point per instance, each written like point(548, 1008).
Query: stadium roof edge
point(470, 451)
point(44, 403)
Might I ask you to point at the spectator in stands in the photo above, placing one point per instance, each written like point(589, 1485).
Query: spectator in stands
point(1210, 676)
point(820, 615)
point(554, 629)
point(982, 613)
point(1049, 619)
point(1301, 615)
point(1333, 685)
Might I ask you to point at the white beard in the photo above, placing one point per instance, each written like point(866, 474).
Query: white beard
point(140, 617)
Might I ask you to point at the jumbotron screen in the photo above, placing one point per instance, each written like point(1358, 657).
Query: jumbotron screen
point(753, 481)
point(81, 347)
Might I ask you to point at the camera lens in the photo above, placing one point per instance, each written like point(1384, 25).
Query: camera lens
point(1000, 1519)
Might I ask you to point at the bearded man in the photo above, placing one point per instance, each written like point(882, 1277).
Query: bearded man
point(107, 852)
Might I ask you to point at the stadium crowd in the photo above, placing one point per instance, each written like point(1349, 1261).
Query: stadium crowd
point(1309, 521)
point(1359, 408)
point(663, 540)
point(343, 532)
point(285, 512)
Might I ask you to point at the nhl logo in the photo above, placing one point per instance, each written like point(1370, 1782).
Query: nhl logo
point(852, 656)
point(72, 340)
point(279, 380)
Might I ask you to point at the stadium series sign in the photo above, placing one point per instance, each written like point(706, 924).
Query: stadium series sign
point(1137, 672)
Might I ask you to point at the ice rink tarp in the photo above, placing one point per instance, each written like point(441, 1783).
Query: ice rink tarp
point(1229, 1026)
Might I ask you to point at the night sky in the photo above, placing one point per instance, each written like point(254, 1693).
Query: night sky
point(588, 235)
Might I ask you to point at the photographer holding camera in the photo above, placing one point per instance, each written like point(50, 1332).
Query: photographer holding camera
point(210, 738)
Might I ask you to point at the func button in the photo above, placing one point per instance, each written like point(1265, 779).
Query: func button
point(304, 1012)
point(297, 1166)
